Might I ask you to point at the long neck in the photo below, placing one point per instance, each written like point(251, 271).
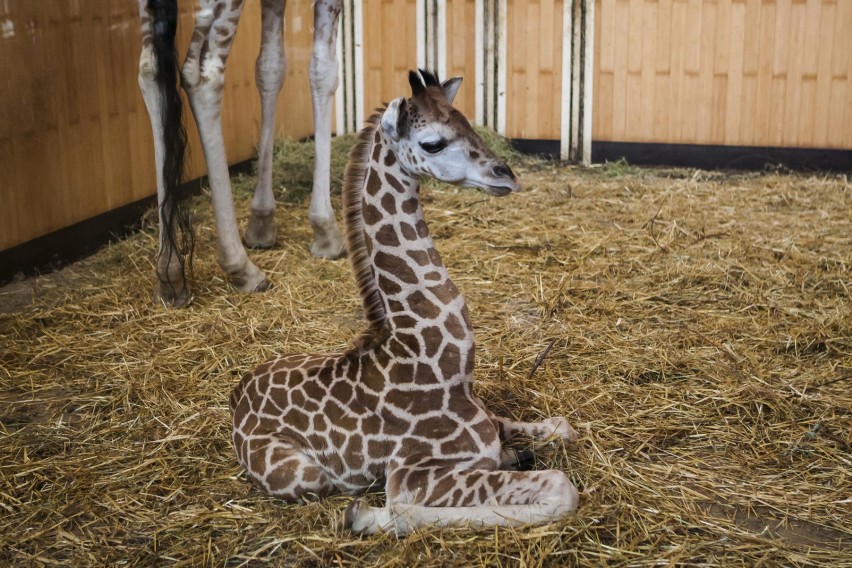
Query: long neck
point(404, 279)
point(415, 288)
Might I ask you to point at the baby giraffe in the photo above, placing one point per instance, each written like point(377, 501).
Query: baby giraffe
point(398, 408)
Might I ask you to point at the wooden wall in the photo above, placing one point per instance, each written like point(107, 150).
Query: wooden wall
point(75, 139)
point(729, 72)
point(390, 50)
point(461, 52)
point(534, 69)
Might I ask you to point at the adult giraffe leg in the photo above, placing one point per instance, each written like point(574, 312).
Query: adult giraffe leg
point(270, 71)
point(204, 81)
point(173, 288)
point(443, 496)
point(328, 241)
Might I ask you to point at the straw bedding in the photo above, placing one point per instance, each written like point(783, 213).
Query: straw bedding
point(701, 332)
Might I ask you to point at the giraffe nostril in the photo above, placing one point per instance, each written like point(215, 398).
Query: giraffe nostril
point(502, 170)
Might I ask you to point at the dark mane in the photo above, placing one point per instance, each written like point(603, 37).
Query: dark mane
point(353, 184)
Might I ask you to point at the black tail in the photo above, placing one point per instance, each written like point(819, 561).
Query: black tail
point(176, 216)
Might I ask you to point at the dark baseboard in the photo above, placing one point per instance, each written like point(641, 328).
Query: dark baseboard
point(543, 148)
point(60, 248)
point(703, 156)
point(723, 157)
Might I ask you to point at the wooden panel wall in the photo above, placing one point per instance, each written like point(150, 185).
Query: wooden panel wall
point(390, 50)
point(461, 52)
point(534, 69)
point(75, 140)
point(731, 72)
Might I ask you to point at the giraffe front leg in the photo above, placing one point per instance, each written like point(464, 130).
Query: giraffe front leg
point(203, 76)
point(270, 71)
point(328, 242)
point(444, 497)
point(556, 427)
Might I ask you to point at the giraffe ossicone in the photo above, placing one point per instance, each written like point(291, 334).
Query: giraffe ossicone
point(399, 408)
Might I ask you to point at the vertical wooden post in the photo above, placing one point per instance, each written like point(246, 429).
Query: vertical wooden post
point(565, 133)
point(358, 67)
point(588, 76)
point(479, 74)
point(349, 99)
point(578, 48)
point(500, 33)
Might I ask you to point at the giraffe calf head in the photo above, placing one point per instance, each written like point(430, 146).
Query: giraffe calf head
point(434, 139)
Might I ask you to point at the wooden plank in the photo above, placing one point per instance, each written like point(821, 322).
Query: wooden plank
point(461, 52)
point(818, 137)
point(840, 125)
point(648, 72)
point(588, 79)
point(386, 63)
point(792, 101)
point(704, 101)
point(566, 103)
point(766, 49)
point(678, 72)
point(605, 34)
point(662, 76)
point(748, 94)
point(734, 74)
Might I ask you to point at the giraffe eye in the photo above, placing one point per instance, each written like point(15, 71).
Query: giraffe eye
point(434, 147)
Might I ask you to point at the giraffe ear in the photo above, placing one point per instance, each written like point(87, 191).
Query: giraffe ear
point(393, 119)
point(450, 88)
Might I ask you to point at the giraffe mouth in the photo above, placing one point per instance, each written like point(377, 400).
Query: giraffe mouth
point(499, 190)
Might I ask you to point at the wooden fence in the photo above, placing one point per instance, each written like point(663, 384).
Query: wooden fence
point(730, 72)
point(75, 139)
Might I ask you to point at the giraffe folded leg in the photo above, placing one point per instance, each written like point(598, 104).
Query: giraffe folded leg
point(444, 497)
point(516, 459)
point(281, 469)
point(270, 70)
point(556, 427)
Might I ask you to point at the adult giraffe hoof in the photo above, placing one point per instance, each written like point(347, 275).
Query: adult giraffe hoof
point(261, 231)
point(248, 278)
point(174, 297)
point(263, 286)
point(328, 242)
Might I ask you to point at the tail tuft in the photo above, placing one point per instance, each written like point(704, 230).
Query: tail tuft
point(177, 222)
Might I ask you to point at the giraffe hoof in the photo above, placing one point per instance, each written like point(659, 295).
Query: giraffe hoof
point(263, 286)
point(172, 297)
point(350, 515)
point(328, 242)
point(561, 430)
point(525, 460)
point(261, 231)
